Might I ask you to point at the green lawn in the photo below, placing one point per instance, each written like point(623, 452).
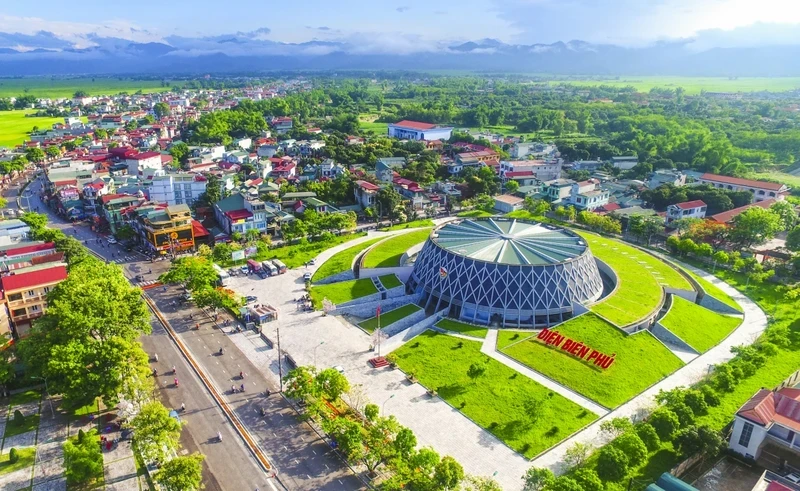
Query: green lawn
point(640, 276)
point(412, 224)
point(640, 361)
point(297, 255)
point(390, 317)
point(495, 400)
point(715, 291)
point(66, 87)
point(693, 85)
point(26, 458)
point(388, 253)
point(462, 328)
point(390, 281)
point(342, 292)
point(788, 179)
point(476, 214)
point(14, 126)
point(378, 128)
point(21, 398)
point(342, 260)
point(30, 423)
point(702, 329)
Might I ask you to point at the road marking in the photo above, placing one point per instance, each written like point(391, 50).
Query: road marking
point(340, 482)
point(308, 477)
point(304, 440)
point(273, 433)
point(284, 447)
point(315, 453)
point(296, 462)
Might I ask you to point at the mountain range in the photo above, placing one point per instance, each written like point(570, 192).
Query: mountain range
point(247, 52)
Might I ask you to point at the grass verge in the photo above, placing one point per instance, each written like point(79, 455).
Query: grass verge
point(702, 329)
point(640, 361)
point(495, 400)
point(390, 281)
point(26, 459)
point(26, 397)
point(29, 423)
point(342, 292)
point(390, 317)
point(462, 328)
point(476, 214)
point(389, 253)
point(297, 254)
point(412, 224)
point(715, 291)
point(341, 261)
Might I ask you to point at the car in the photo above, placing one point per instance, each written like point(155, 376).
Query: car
point(139, 278)
point(795, 478)
point(188, 297)
point(307, 277)
point(174, 415)
point(250, 299)
point(339, 368)
point(112, 240)
point(244, 269)
point(312, 261)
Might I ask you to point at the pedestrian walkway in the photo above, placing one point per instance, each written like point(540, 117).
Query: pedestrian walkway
point(489, 348)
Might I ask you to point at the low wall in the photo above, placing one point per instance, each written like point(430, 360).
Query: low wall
point(403, 337)
point(395, 292)
point(711, 303)
point(668, 337)
point(608, 271)
point(375, 297)
point(409, 253)
point(402, 272)
point(404, 323)
point(685, 294)
point(343, 276)
point(366, 310)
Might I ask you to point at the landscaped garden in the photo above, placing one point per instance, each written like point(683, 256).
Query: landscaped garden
point(411, 224)
point(640, 278)
point(390, 281)
point(525, 415)
point(341, 261)
point(297, 254)
point(462, 328)
point(342, 292)
point(700, 328)
point(389, 318)
point(389, 253)
point(640, 360)
point(715, 291)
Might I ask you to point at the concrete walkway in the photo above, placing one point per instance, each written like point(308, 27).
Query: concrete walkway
point(489, 348)
point(685, 355)
point(755, 322)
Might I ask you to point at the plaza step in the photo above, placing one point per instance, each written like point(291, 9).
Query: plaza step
point(378, 362)
point(146, 285)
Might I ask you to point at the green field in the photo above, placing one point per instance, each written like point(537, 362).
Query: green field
point(412, 224)
point(378, 128)
point(462, 328)
point(495, 400)
point(389, 253)
point(14, 126)
point(390, 317)
point(788, 179)
point(715, 291)
point(342, 292)
point(640, 361)
point(693, 85)
point(65, 88)
point(702, 329)
point(342, 260)
point(640, 277)
point(297, 255)
point(390, 281)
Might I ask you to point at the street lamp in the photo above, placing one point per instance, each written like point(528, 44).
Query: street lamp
point(384, 403)
point(49, 399)
point(315, 351)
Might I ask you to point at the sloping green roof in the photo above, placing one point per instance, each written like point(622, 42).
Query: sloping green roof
point(231, 203)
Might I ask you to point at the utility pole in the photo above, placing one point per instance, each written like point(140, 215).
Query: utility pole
point(280, 360)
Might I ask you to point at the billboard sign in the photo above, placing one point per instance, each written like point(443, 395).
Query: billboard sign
point(237, 255)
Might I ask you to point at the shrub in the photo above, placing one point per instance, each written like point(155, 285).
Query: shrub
point(710, 395)
point(698, 439)
point(81, 436)
point(649, 436)
point(13, 456)
point(537, 479)
point(665, 422)
point(612, 464)
point(19, 419)
point(589, 480)
point(633, 447)
point(564, 483)
point(696, 402)
point(683, 412)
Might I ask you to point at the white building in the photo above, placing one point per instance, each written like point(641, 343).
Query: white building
point(13, 231)
point(689, 209)
point(587, 195)
point(769, 417)
point(177, 189)
point(145, 164)
point(243, 143)
point(541, 169)
point(506, 203)
point(625, 162)
point(760, 190)
point(414, 130)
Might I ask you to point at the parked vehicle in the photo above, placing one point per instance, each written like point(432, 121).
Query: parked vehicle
point(269, 268)
point(307, 276)
point(253, 266)
point(279, 264)
point(250, 299)
point(112, 240)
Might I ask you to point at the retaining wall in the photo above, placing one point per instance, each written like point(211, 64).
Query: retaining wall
point(367, 309)
point(402, 272)
point(404, 323)
point(712, 303)
point(375, 297)
point(685, 294)
point(403, 337)
point(343, 276)
point(668, 337)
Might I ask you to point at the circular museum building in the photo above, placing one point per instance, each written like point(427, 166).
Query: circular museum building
point(505, 272)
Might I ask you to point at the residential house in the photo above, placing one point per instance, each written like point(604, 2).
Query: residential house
point(414, 130)
point(688, 209)
point(520, 150)
point(237, 157)
point(728, 216)
point(506, 203)
point(25, 293)
point(281, 125)
point(366, 193)
point(112, 206)
point(558, 190)
point(312, 203)
point(238, 213)
point(330, 169)
point(770, 420)
point(523, 177)
point(387, 166)
point(407, 188)
point(145, 165)
point(267, 150)
point(666, 176)
point(761, 190)
point(625, 162)
point(472, 159)
point(587, 165)
point(544, 170)
point(243, 143)
point(167, 229)
point(176, 189)
point(13, 232)
point(587, 195)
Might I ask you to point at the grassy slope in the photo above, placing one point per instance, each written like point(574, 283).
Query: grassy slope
point(388, 253)
point(640, 278)
point(390, 281)
point(701, 328)
point(715, 291)
point(14, 126)
point(475, 214)
point(412, 224)
point(693, 85)
point(462, 328)
point(390, 317)
point(341, 261)
point(342, 292)
point(297, 255)
point(58, 88)
point(495, 400)
point(640, 359)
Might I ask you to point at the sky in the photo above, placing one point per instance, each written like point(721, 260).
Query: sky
point(409, 25)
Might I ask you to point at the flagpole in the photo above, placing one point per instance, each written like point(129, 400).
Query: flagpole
point(379, 330)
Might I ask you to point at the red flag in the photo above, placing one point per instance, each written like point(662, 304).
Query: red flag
point(378, 311)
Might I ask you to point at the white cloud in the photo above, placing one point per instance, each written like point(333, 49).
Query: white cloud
point(75, 33)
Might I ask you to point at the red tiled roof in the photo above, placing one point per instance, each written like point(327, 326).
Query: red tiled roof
point(416, 125)
point(18, 251)
point(688, 205)
point(34, 278)
point(238, 214)
point(727, 216)
point(610, 207)
point(145, 155)
point(766, 407)
point(742, 182)
point(368, 186)
point(47, 258)
point(108, 197)
point(199, 230)
point(519, 173)
point(68, 182)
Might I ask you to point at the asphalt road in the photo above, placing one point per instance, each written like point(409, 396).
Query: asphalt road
point(303, 461)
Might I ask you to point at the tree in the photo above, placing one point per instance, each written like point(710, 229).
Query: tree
point(35, 154)
point(299, 383)
point(156, 433)
point(161, 109)
point(512, 187)
point(785, 210)
point(633, 447)
point(80, 94)
point(448, 473)
point(533, 408)
point(83, 460)
point(480, 483)
point(536, 207)
point(389, 200)
point(179, 152)
point(612, 464)
point(331, 383)
point(52, 151)
point(216, 298)
point(754, 226)
point(86, 344)
point(36, 221)
point(181, 473)
point(476, 370)
point(589, 480)
point(665, 423)
point(649, 436)
point(616, 427)
point(564, 483)
point(577, 454)
point(793, 239)
point(698, 439)
point(196, 273)
point(537, 479)
point(371, 411)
